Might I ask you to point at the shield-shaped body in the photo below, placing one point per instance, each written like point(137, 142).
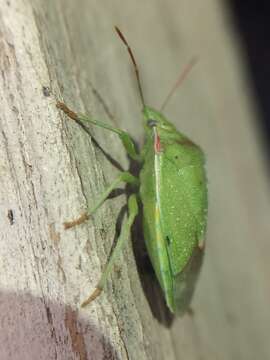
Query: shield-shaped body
point(174, 197)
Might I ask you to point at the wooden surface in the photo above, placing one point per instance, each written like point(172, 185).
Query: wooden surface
point(50, 169)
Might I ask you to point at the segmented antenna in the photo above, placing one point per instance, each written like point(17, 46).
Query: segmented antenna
point(133, 61)
point(180, 80)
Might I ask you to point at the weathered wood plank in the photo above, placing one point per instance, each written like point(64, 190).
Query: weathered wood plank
point(50, 169)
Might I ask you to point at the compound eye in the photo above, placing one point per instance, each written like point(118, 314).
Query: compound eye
point(151, 123)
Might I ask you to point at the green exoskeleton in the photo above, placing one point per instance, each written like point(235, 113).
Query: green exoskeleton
point(173, 192)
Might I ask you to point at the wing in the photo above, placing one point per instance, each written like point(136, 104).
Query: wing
point(184, 282)
point(183, 202)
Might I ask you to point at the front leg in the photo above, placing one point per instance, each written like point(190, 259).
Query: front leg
point(125, 138)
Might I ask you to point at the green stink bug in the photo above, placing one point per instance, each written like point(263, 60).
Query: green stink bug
point(173, 193)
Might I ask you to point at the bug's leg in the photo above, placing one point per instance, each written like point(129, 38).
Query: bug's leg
point(123, 237)
point(123, 135)
point(125, 177)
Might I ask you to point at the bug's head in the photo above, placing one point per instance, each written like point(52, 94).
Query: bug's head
point(153, 118)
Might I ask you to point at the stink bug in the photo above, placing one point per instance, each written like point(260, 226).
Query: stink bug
point(173, 193)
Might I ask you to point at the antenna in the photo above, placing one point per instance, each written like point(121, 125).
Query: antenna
point(180, 80)
point(133, 61)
